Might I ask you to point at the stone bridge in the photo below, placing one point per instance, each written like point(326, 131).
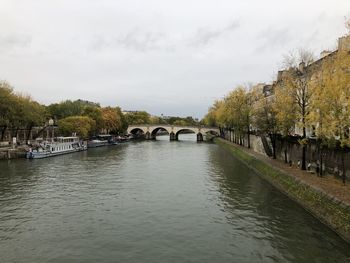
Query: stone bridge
point(150, 130)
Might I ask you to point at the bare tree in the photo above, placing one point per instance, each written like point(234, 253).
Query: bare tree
point(347, 23)
point(294, 57)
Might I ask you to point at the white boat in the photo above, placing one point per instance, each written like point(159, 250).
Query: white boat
point(61, 145)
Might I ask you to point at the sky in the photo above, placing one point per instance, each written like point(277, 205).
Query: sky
point(165, 57)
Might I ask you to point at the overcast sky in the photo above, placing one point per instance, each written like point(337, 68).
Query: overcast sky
point(165, 57)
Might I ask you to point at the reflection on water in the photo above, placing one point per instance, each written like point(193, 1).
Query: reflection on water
point(153, 201)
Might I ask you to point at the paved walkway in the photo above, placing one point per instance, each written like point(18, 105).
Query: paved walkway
point(327, 184)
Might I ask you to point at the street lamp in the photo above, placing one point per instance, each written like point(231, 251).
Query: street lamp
point(51, 122)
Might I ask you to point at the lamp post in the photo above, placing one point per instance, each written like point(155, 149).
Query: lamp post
point(51, 122)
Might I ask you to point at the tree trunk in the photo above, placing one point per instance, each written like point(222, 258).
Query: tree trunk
point(29, 131)
point(273, 142)
point(285, 155)
point(343, 164)
point(248, 137)
point(303, 162)
point(285, 152)
point(3, 132)
point(274, 146)
point(321, 162)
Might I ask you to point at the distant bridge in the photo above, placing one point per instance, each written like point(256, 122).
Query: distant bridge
point(150, 131)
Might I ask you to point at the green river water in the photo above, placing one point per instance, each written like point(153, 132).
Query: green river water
point(153, 201)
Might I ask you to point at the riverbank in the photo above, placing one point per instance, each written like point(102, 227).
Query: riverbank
point(326, 198)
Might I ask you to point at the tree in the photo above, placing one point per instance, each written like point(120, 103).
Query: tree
point(81, 125)
point(216, 116)
point(112, 119)
point(347, 23)
point(18, 111)
point(285, 108)
point(320, 112)
point(293, 58)
point(238, 107)
point(231, 114)
point(138, 117)
point(7, 106)
point(299, 95)
point(180, 122)
point(31, 113)
point(333, 110)
point(94, 113)
point(265, 119)
point(69, 108)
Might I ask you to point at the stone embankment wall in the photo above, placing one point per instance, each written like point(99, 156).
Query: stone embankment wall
point(7, 154)
point(331, 158)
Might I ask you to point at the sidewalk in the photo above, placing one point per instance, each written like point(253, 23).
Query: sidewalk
point(327, 184)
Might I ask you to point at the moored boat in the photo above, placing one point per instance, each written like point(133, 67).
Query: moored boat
point(122, 139)
point(101, 140)
point(61, 145)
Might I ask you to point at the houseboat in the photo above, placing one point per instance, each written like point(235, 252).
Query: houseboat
point(61, 145)
point(102, 140)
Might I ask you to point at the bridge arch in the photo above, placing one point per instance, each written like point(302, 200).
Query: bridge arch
point(188, 130)
point(155, 130)
point(138, 132)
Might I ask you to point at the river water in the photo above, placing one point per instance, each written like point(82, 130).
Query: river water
point(155, 201)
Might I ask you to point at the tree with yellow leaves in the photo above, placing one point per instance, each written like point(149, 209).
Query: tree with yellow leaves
point(331, 107)
point(285, 108)
point(81, 125)
point(320, 116)
point(265, 119)
point(293, 100)
point(238, 111)
point(112, 119)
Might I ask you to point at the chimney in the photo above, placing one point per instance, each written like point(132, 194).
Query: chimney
point(279, 75)
point(344, 43)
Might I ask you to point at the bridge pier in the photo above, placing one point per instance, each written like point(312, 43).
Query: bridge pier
point(199, 137)
point(148, 136)
point(172, 136)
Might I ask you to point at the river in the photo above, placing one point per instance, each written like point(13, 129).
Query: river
point(153, 201)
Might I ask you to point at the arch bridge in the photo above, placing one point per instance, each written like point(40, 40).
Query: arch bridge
point(150, 131)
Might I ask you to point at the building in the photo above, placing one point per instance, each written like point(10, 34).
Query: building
point(308, 74)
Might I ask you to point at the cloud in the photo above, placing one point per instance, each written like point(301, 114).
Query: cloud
point(205, 36)
point(14, 41)
point(135, 40)
point(272, 38)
